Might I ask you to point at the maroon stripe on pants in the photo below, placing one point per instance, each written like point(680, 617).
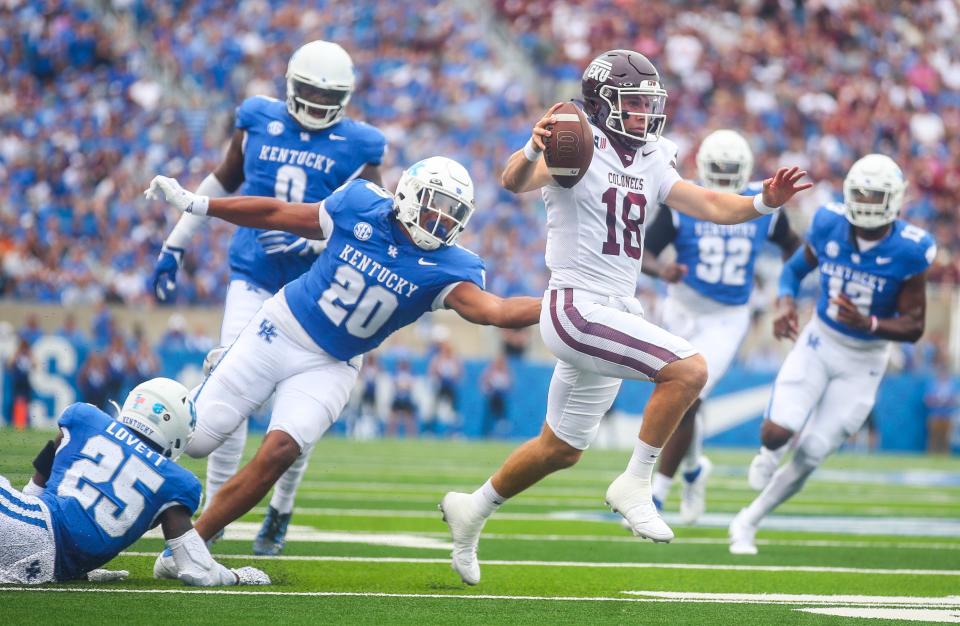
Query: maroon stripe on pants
point(600, 353)
point(612, 334)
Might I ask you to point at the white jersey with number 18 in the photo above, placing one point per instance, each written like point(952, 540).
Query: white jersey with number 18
point(595, 229)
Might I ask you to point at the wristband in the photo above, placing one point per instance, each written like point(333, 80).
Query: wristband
point(199, 206)
point(874, 324)
point(530, 152)
point(760, 207)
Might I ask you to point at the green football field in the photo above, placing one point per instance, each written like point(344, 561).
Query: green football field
point(870, 536)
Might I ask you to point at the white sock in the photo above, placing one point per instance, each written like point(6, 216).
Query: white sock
point(643, 459)
point(774, 455)
point(784, 484)
point(224, 461)
point(486, 499)
point(285, 490)
point(661, 486)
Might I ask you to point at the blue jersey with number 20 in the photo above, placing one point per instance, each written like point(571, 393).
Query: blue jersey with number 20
point(871, 279)
point(106, 489)
point(282, 159)
point(372, 279)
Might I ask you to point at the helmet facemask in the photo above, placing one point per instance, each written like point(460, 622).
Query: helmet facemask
point(870, 208)
point(730, 176)
point(315, 107)
point(645, 103)
point(439, 217)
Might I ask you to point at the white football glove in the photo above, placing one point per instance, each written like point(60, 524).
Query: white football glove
point(165, 188)
point(251, 576)
point(107, 575)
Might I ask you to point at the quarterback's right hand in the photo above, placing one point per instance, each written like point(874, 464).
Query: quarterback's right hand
point(164, 277)
point(786, 324)
point(540, 129)
point(165, 188)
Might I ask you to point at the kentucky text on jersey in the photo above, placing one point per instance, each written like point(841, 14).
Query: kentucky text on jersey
point(704, 229)
point(296, 157)
point(378, 272)
point(875, 283)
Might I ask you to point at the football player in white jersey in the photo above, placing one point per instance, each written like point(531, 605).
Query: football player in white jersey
point(873, 278)
point(590, 318)
point(708, 298)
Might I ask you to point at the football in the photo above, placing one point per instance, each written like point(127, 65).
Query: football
point(569, 150)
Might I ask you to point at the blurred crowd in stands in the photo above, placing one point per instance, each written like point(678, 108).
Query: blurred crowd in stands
point(97, 97)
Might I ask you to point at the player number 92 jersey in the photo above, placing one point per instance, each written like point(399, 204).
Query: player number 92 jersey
point(372, 279)
point(871, 279)
point(281, 159)
point(107, 488)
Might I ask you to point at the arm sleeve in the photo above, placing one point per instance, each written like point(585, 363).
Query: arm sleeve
point(661, 232)
point(670, 178)
point(793, 272)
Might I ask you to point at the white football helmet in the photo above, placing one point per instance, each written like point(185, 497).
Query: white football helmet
point(320, 80)
point(160, 411)
point(725, 161)
point(434, 201)
point(873, 191)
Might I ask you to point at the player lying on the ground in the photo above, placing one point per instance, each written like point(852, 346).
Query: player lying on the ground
point(873, 277)
point(103, 483)
point(708, 299)
point(300, 150)
point(389, 260)
point(591, 319)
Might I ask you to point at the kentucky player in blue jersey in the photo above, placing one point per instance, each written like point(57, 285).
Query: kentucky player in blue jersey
point(390, 258)
point(103, 483)
point(873, 274)
point(300, 151)
point(708, 299)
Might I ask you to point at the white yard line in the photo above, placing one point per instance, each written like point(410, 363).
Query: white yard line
point(601, 564)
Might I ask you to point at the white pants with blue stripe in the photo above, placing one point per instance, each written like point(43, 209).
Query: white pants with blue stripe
point(27, 550)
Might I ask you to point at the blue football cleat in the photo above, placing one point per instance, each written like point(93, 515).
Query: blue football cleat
point(272, 536)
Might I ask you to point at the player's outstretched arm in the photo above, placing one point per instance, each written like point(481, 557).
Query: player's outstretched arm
point(307, 220)
point(194, 565)
point(730, 208)
point(224, 180)
point(910, 322)
point(480, 307)
point(526, 170)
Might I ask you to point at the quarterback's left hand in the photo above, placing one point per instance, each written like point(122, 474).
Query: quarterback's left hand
point(282, 242)
point(165, 188)
point(783, 186)
point(107, 575)
point(849, 314)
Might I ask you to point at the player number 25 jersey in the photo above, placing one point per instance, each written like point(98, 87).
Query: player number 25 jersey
point(107, 488)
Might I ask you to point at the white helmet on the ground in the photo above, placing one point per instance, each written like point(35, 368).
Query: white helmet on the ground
point(434, 201)
point(320, 79)
point(873, 191)
point(725, 161)
point(160, 411)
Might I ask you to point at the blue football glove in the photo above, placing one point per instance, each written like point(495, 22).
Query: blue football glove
point(282, 242)
point(164, 276)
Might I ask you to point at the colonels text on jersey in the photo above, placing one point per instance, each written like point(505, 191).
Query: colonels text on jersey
point(595, 229)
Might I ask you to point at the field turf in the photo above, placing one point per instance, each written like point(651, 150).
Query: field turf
point(870, 536)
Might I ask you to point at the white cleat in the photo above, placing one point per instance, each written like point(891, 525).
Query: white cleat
point(165, 566)
point(632, 498)
point(762, 468)
point(743, 535)
point(465, 526)
point(693, 497)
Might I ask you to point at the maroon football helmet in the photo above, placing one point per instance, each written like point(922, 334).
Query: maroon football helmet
point(622, 94)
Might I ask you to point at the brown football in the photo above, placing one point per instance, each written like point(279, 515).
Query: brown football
point(569, 150)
